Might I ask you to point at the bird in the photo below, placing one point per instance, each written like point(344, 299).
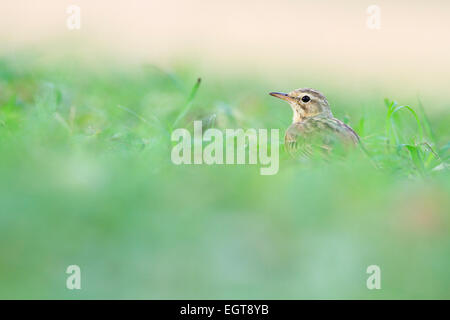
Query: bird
point(314, 129)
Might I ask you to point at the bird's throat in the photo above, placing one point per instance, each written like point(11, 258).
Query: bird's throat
point(297, 117)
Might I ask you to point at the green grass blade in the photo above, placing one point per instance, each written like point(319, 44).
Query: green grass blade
point(416, 158)
point(419, 124)
point(188, 104)
point(426, 122)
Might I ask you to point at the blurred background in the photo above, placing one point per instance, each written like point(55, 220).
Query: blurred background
point(295, 38)
point(85, 171)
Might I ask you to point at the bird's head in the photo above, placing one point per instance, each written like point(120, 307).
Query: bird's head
point(305, 103)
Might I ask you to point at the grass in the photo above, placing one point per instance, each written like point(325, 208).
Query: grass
point(86, 179)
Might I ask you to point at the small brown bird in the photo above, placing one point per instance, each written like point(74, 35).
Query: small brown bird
point(314, 129)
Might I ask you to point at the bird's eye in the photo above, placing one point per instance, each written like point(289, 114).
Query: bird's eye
point(306, 99)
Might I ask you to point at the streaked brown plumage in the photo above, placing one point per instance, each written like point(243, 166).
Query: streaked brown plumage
point(313, 128)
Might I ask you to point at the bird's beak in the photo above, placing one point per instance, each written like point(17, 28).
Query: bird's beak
point(281, 95)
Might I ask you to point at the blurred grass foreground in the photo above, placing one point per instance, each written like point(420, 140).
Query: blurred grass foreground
point(86, 179)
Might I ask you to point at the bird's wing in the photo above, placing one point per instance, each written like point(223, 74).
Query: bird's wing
point(318, 135)
point(346, 131)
